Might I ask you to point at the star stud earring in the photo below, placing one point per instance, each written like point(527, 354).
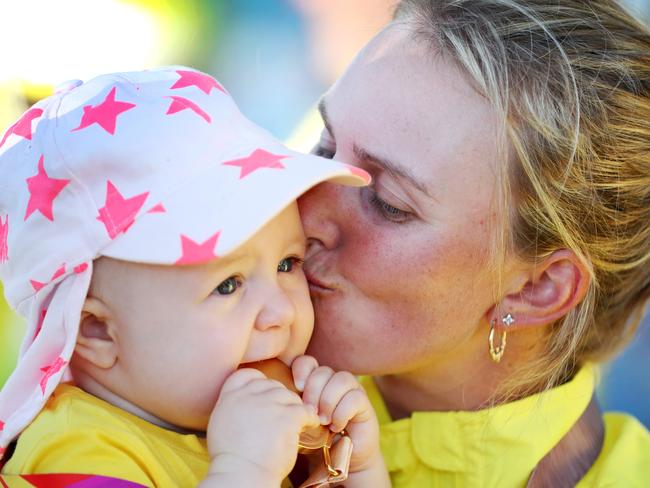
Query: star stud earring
point(508, 320)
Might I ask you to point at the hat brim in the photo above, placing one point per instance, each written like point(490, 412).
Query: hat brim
point(235, 210)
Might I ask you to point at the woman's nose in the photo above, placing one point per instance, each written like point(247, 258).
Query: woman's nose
point(318, 212)
point(278, 310)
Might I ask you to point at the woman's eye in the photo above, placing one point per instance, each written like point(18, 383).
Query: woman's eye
point(229, 286)
point(387, 210)
point(320, 150)
point(287, 264)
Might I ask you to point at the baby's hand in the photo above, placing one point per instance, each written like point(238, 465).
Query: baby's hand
point(253, 431)
point(342, 404)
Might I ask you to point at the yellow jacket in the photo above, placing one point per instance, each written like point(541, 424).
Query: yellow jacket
point(79, 433)
point(500, 446)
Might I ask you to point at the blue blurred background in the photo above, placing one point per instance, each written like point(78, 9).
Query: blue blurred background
point(276, 57)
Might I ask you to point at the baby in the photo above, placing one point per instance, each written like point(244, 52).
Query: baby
point(149, 234)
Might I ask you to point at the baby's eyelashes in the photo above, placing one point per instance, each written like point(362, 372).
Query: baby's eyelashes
point(233, 283)
point(288, 264)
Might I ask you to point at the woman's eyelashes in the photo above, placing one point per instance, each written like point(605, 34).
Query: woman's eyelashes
point(393, 214)
point(385, 209)
point(320, 150)
point(233, 283)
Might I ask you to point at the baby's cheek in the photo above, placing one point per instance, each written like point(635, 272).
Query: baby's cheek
point(305, 315)
point(303, 325)
point(206, 397)
point(212, 363)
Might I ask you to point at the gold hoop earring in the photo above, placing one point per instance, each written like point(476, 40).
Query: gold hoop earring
point(496, 352)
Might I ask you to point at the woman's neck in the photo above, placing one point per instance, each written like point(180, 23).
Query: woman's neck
point(415, 391)
point(455, 382)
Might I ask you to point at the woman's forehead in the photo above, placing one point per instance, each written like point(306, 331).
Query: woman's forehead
point(400, 103)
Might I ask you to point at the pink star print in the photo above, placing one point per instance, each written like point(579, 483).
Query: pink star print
point(37, 285)
point(203, 82)
point(105, 114)
point(194, 252)
point(4, 236)
point(158, 208)
point(50, 371)
point(43, 190)
point(258, 159)
point(2, 425)
point(179, 103)
point(59, 272)
point(23, 127)
point(118, 213)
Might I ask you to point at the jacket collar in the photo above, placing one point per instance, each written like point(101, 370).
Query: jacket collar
point(512, 436)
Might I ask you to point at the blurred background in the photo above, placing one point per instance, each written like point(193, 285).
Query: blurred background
point(276, 57)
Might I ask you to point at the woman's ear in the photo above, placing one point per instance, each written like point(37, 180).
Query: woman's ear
point(551, 289)
point(96, 341)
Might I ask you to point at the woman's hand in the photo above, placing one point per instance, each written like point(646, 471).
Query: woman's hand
point(342, 404)
point(253, 431)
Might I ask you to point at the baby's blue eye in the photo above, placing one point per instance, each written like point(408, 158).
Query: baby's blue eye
point(287, 264)
point(228, 286)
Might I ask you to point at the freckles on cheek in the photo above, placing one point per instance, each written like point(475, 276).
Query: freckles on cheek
point(391, 267)
point(367, 243)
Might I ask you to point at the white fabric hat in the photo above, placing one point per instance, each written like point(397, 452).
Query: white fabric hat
point(156, 167)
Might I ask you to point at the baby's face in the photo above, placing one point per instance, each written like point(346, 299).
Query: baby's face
point(180, 331)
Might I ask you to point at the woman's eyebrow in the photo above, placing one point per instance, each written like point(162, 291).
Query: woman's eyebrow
point(392, 168)
point(363, 155)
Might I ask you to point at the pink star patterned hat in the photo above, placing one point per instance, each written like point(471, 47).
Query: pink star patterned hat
point(155, 167)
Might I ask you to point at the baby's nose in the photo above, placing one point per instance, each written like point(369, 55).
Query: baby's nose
point(277, 311)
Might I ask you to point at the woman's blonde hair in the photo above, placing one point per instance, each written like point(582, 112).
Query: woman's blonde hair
point(571, 79)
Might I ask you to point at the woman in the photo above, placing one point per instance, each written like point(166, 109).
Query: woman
point(504, 246)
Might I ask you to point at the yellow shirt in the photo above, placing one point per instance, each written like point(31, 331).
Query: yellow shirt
point(79, 433)
point(500, 446)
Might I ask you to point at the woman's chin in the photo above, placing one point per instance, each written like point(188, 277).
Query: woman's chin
point(328, 352)
point(340, 353)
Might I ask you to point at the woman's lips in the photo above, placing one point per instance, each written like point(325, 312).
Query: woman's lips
point(316, 270)
point(317, 285)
